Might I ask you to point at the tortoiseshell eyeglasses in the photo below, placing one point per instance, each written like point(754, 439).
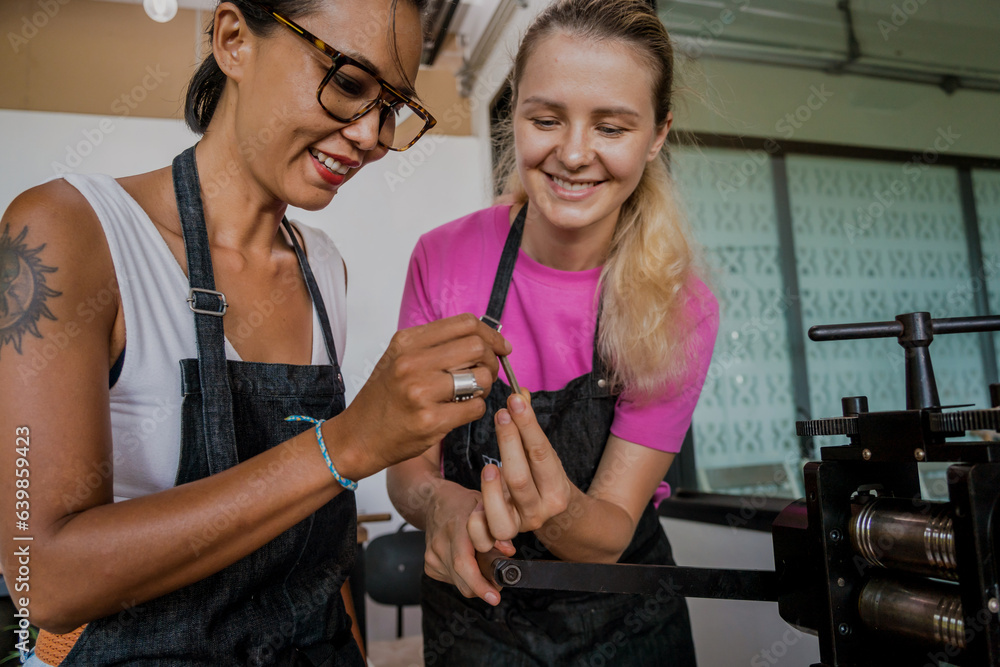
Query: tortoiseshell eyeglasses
point(350, 90)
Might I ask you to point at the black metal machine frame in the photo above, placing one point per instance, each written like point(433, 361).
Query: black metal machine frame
point(879, 574)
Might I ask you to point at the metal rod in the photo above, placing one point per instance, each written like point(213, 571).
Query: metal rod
point(510, 375)
point(691, 582)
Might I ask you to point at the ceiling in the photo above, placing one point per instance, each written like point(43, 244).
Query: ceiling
point(950, 43)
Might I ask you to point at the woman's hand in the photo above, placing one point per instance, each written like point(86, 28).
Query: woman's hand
point(450, 556)
point(406, 406)
point(529, 489)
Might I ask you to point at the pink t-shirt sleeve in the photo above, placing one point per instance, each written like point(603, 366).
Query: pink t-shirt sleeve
point(417, 306)
point(663, 422)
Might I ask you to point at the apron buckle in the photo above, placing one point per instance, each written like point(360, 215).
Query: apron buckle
point(193, 300)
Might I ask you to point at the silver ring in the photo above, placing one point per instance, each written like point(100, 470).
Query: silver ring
point(465, 386)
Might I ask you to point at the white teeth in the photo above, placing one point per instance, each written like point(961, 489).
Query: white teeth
point(331, 164)
point(572, 187)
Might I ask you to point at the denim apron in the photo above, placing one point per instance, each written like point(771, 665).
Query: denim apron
point(281, 604)
point(532, 627)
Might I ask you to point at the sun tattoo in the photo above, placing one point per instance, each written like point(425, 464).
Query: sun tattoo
point(23, 291)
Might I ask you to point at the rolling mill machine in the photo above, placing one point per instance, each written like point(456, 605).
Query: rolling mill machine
point(881, 575)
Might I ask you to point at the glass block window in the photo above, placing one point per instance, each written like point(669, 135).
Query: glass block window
point(872, 240)
point(744, 425)
point(986, 186)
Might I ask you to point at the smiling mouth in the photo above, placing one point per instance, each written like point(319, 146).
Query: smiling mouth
point(573, 187)
point(331, 164)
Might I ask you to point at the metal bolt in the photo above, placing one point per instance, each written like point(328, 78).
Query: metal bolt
point(866, 454)
point(835, 535)
point(844, 629)
point(993, 605)
point(841, 582)
point(511, 575)
point(919, 454)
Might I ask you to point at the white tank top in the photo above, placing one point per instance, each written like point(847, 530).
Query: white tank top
point(159, 327)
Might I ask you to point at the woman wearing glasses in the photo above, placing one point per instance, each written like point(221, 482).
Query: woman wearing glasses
point(591, 274)
point(177, 515)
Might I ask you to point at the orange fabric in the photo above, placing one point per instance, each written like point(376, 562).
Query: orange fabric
point(53, 649)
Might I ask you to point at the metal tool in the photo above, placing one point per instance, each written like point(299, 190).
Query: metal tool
point(510, 375)
point(515, 387)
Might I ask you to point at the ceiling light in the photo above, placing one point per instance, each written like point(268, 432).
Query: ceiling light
point(160, 10)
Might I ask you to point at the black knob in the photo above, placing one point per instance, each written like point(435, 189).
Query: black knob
point(854, 405)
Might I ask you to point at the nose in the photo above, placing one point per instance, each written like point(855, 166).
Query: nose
point(364, 131)
point(576, 152)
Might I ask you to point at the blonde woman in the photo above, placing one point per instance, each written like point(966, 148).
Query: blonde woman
point(591, 274)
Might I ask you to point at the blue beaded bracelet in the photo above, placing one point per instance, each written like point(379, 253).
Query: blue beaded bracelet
point(343, 481)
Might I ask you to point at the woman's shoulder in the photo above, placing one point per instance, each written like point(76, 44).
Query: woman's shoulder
point(52, 212)
point(474, 229)
point(700, 313)
point(53, 257)
point(702, 303)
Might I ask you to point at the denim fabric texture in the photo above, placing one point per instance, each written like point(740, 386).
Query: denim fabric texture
point(281, 604)
point(542, 628)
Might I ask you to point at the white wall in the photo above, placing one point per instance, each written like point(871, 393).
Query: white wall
point(731, 633)
point(375, 221)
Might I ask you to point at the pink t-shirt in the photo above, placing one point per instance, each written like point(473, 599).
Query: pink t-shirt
point(549, 318)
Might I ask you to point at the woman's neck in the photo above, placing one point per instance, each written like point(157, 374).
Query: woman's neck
point(239, 213)
point(578, 249)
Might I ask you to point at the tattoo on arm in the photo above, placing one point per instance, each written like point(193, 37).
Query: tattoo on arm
point(23, 291)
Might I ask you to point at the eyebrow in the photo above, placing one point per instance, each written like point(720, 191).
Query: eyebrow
point(601, 111)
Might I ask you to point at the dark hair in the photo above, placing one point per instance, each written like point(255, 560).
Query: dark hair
point(206, 86)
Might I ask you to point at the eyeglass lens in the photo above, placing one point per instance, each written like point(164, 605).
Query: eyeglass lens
point(351, 89)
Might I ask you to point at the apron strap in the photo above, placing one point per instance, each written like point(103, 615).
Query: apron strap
point(498, 297)
point(317, 298)
point(598, 373)
point(501, 285)
point(208, 306)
